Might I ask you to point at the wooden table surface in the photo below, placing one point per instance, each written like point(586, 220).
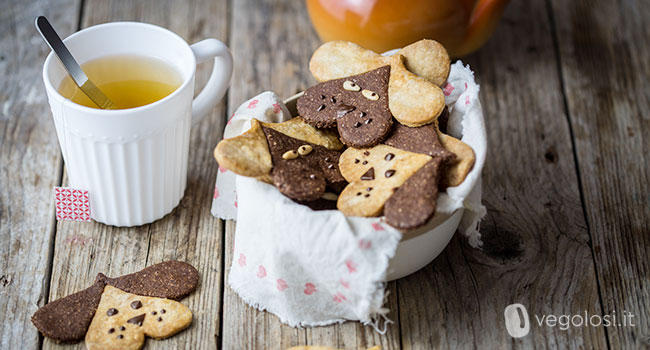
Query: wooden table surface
point(564, 86)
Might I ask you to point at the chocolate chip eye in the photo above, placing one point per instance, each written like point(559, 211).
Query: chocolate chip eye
point(351, 86)
point(305, 150)
point(292, 154)
point(371, 95)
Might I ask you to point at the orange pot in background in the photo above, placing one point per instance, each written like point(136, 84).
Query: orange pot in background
point(380, 25)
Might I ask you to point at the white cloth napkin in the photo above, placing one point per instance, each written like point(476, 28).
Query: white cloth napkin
point(466, 123)
point(310, 268)
point(265, 107)
point(316, 268)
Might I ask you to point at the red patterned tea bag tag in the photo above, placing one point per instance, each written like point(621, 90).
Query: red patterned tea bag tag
point(72, 204)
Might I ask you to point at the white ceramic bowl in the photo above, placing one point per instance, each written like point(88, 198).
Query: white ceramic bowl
point(418, 247)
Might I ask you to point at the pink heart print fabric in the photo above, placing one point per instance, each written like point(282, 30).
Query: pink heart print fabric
point(309, 268)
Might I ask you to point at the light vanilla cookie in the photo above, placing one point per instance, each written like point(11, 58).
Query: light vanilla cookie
point(428, 59)
point(123, 320)
point(458, 168)
point(340, 59)
point(248, 154)
point(374, 174)
point(412, 101)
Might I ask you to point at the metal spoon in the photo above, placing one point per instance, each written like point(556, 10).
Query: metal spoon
point(65, 57)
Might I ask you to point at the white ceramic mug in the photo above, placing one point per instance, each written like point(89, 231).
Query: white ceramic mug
point(133, 161)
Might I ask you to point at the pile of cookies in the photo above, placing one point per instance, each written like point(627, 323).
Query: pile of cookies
point(369, 139)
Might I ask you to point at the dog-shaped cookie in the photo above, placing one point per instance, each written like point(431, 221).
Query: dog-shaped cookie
point(300, 160)
point(417, 72)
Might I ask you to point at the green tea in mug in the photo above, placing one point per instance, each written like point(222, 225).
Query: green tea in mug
point(128, 80)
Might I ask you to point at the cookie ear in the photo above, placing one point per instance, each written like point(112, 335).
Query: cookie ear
point(246, 154)
point(169, 279)
point(340, 59)
point(457, 169)
point(413, 100)
point(67, 319)
point(414, 203)
point(428, 59)
point(423, 139)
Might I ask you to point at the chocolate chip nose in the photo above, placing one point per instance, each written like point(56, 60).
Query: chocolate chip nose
point(344, 109)
point(137, 320)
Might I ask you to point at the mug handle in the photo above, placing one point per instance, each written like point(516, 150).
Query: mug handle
point(219, 79)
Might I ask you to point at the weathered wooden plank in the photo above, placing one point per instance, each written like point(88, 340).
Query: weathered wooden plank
point(604, 55)
point(272, 42)
point(30, 165)
point(270, 49)
point(536, 246)
point(189, 233)
point(245, 327)
point(353, 335)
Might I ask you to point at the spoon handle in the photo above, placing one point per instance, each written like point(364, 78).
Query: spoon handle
point(65, 57)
